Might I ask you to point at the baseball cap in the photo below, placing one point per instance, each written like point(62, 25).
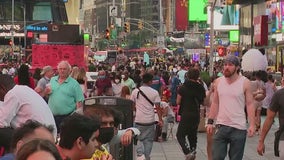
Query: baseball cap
point(45, 69)
point(232, 59)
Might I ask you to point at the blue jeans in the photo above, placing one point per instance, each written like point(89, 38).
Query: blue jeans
point(145, 140)
point(225, 135)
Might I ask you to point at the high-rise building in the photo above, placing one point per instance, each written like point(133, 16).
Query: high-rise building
point(150, 12)
point(73, 10)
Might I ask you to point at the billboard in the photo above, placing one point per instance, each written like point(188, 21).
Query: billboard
point(181, 15)
point(197, 10)
point(225, 17)
point(234, 35)
point(275, 12)
point(51, 54)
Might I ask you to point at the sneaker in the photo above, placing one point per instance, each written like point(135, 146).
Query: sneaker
point(191, 155)
point(142, 157)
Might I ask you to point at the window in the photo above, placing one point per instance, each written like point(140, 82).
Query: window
point(6, 11)
point(42, 11)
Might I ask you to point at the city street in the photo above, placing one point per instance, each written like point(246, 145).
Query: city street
point(170, 150)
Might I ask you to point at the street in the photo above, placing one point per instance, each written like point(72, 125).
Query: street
point(170, 150)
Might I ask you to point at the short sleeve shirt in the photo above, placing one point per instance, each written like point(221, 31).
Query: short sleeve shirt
point(144, 110)
point(130, 83)
point(43, 82)
point(277, 105)
point(63, 97)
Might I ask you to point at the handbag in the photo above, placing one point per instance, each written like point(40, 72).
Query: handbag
point(144, 95)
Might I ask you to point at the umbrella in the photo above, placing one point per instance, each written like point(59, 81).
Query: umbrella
point(254, 60)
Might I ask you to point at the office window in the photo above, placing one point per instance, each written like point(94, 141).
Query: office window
point(6, 11)
point(42, 11)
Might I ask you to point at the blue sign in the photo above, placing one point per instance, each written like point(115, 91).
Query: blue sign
point(37, 28)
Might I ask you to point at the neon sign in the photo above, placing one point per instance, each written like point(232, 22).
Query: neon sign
point(37, 28)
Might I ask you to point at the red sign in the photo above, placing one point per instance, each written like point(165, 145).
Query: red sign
point(181, 15)
point(221, 51)
point(260, 30)
point(43, 55)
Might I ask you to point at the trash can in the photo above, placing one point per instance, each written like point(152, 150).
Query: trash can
point(125, 107)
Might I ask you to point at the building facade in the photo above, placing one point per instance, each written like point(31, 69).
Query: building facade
point(30, 16)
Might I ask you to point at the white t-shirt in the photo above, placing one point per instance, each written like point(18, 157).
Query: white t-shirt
point(22, 103)
point(166, 105)
point(144, 110)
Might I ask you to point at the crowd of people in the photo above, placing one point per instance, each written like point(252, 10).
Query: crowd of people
point(50, 111)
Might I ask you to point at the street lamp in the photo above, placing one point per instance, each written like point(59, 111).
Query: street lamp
point(211, 66)
point(13, 23)
point(25, 24)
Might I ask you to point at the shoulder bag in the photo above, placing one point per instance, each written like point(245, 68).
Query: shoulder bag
point(155, 109)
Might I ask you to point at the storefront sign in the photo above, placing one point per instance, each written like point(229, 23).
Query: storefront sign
point(9, 27)
point(9, 34)
point(37, 28)
point(260, 30)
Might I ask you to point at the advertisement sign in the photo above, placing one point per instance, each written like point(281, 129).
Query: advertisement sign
point(225, 17)
point(275, 12)
point(197, 10)
point(43, 55)
point(6, 30)
point(181, 15)
point(234, 35)
point(260, 30)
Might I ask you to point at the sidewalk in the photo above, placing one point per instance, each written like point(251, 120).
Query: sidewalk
point(170, 150)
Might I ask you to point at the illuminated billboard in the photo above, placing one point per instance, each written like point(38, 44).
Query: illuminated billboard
point(275, 12)
point(234, 35)
point(197, 10)
point(225, 17)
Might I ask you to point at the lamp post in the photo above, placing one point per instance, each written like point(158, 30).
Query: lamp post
point(211, 66)
point(12, 28)
point(162, 25)
point(25, 25)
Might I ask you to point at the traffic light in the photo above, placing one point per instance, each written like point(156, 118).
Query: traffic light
point(140, 25)
point(107, 34)
point(30, 34)
point(86, 38)
point(126, 27)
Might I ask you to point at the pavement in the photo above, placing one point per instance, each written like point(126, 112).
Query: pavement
point(170, 149)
